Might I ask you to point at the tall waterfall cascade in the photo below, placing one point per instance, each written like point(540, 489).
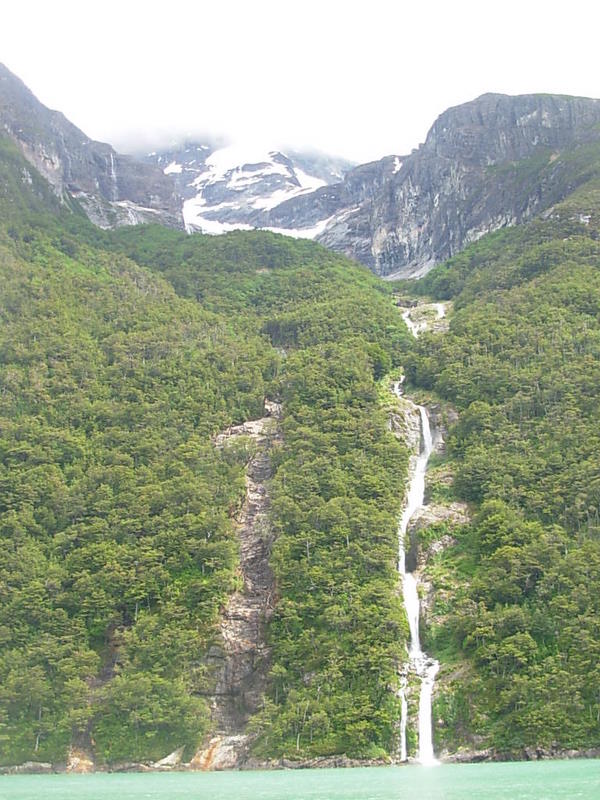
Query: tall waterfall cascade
point(419, 663)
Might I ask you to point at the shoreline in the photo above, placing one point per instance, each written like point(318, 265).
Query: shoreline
point(325, 762)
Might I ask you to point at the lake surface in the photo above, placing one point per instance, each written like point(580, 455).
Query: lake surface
point(550, 780)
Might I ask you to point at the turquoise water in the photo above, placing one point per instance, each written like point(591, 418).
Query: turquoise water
point(575, 780)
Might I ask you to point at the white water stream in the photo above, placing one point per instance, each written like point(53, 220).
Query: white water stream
point(416, 327)
point(113, 178)
point(425, 667)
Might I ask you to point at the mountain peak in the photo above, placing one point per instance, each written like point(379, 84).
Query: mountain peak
point(492, 162)
point(234, 186)
point(489, 163)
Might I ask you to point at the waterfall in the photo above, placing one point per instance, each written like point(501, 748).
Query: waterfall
point(403, 716)
point(416, 327)
point(413, 327)
point(113, 178)
point(421, 664)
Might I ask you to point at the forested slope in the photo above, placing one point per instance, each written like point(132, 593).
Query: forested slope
point(517, 622)
point(116, 510)
point(338, 629)
point(123, 354)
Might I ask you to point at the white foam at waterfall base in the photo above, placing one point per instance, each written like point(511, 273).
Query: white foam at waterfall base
point(426, 755)
point(403, 716)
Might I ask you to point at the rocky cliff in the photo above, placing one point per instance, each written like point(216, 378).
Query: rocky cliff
point(240, 661)
point(113, 189)
point(493, 162)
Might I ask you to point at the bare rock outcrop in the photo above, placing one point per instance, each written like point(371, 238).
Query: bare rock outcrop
point(241, 659)
point(405, 423)
point(28, 768)
point(170, 761)
point(113, 189)
point(80, 761)
point(485, 165)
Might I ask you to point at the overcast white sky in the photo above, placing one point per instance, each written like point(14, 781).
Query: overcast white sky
point(358, 79)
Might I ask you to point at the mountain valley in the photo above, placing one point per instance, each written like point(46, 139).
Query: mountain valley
point(207, 442)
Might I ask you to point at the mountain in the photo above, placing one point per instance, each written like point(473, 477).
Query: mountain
point(182, 418)
point(234, 187)
point(487, 164)
point(495, 162)
point(203, 468)
point(112, 189)
point(514, 610)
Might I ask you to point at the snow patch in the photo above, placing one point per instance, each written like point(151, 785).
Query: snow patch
point(236, 156)
point(275, 198)
point(246, 177)
point(308, 182)
point(173, 168)
point(303, 233)
point(194, 219)
point(202, 179)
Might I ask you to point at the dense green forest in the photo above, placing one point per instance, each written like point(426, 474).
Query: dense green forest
point(121, 355)
point(339, 628)
point(517, 622)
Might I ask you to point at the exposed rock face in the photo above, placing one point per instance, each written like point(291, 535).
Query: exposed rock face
point(80, 761)
point(340, 210)
point(406, 425)
point(528, 754)
point(455, 513)
point(242, 658)
point(320, 762)
point(113, 189)
point(484, 165)
point(170, 761)
point(451, 191)
point(28, 768)
point(441, 419)
point(222, 752)
point(493, 162)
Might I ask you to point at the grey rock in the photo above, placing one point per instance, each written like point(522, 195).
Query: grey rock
point(484, 165)
point(222, 752)
point(240, 661)
point(130, 766)
point(469, 756)
point(532, 753)
point(170, 761)
point(80, 761)
point(28, 768)
point(113, 189)
point(322, 762)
